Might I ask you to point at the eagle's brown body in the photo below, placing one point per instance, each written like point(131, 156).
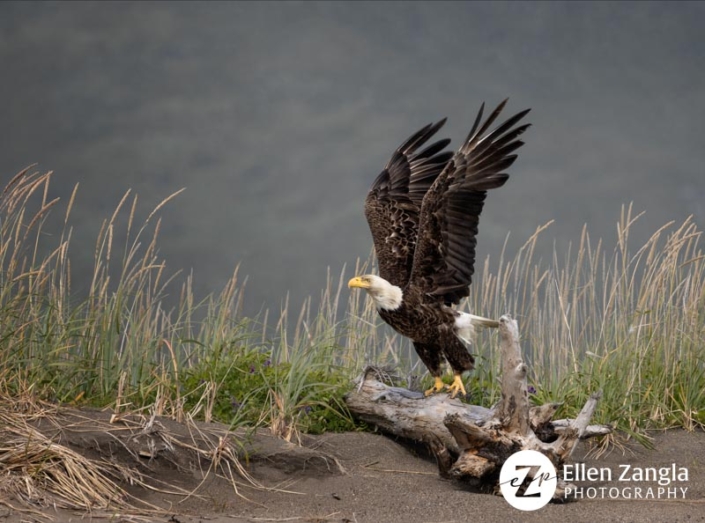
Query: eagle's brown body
point(423, 211)
point(431, 329)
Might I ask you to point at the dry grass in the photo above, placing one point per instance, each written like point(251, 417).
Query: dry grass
point(37, 470)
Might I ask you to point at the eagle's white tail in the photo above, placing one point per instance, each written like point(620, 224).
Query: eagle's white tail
point(465, 325)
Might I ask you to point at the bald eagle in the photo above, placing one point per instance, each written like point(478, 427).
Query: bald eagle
point(423, 211)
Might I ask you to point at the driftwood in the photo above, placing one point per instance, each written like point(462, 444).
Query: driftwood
point(472, 442)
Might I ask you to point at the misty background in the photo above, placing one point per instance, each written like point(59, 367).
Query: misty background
point(277, 117)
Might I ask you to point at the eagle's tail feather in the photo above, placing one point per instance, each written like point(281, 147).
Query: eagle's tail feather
point(465, 325)
point(485, 322)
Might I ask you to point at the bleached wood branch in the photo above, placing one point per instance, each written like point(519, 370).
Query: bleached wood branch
point(471, 441)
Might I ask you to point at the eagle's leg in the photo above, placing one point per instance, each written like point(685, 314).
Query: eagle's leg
point(457, 386)
point(438, 386)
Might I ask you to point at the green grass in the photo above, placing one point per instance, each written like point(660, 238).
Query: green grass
point(628, 322)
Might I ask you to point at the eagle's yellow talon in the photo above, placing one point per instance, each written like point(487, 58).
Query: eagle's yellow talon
point(457, 386)
point(438, 386)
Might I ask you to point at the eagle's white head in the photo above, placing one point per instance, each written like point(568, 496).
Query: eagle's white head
point(385, 295)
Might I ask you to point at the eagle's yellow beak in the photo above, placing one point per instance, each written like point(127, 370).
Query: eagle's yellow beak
point(358, 282)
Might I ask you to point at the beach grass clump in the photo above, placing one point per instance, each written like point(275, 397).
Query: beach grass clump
point(121, 346)
point(627, 322)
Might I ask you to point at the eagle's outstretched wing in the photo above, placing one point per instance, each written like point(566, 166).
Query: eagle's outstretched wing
point(393, 203)
point(450, 212)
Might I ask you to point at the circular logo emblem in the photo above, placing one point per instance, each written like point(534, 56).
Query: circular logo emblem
point(528, 480)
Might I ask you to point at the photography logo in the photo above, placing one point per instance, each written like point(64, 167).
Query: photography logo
point(528, 480)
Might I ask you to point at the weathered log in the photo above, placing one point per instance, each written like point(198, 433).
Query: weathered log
point(472, 442)
point(410, 414)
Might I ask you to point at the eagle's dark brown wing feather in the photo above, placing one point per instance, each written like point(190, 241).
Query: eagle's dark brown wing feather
point(444, 258)
point(393, 203)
